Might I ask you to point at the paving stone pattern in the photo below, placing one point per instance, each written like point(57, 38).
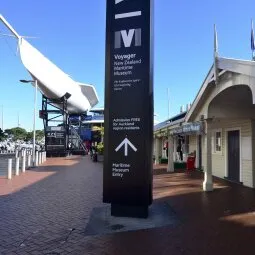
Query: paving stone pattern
point(101, 221)
point(42, 217)
point(49, 214)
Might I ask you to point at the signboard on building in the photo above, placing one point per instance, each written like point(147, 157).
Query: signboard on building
point(55, 138)
point(189, 128)
point(128, 103)
point(88, 117)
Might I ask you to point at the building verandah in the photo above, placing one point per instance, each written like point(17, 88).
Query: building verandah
point(164, 144)
point(174, 140)
point(226, 107)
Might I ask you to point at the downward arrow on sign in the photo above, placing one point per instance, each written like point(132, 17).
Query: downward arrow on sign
point(126, 142)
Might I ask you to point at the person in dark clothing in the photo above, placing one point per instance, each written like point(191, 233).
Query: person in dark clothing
point(91, 150)
point(179, 150)
point(94, 152)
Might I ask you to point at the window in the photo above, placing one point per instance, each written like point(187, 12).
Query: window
point(217, 141)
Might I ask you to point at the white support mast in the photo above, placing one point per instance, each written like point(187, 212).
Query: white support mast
point(10, 27)
point(215, 55)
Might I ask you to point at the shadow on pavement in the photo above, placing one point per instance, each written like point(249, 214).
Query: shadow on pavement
point(56, 211)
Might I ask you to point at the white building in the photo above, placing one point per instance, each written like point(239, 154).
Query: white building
point(223, 120)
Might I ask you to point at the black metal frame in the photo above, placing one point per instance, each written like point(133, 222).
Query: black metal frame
point(61, 111)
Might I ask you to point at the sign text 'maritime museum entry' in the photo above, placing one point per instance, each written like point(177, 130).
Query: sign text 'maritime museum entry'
point(127, 183)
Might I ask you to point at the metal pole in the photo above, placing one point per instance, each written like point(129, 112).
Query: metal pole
point(35, 101)
point(29, 160)
point(36, 158)
point(252, 41)
point(9, 175)
point(17, 166)
point(24, 163)
point(168, 103)
point(18, 119)
point(2, 117)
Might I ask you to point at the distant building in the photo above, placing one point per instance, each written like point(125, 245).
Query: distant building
point(92, 125)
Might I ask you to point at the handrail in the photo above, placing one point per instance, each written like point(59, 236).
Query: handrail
point(73, 130)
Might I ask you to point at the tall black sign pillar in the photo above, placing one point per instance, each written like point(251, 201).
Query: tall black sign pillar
point(127, 183)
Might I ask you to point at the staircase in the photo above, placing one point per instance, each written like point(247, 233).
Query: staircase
point(77, 146)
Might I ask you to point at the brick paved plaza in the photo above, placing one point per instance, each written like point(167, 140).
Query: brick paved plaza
point(46, 210)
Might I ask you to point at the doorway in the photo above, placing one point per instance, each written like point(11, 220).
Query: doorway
point(234, 155)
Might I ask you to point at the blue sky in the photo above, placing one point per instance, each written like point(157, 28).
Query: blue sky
point(72, 35)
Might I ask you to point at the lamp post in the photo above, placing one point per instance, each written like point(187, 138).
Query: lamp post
point(2, 118)
point(35, 102)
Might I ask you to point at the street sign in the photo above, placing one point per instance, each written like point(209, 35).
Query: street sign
point(128, 104)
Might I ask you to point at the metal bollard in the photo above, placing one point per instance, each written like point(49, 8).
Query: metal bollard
point(36, 158)
point(9, 176)
point(29, 160)
point(23, 164)
point(39, 158)
point(17, 167)
point(25, 155)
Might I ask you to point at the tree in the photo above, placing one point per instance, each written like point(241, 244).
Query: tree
point(2, 135)
point(102, 134)
point(8, 132)
point(17, 133)
point(102, 131)
point(39, 134)
point(29, 136)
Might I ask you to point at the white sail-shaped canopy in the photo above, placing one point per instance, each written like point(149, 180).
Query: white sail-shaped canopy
point(51, 80)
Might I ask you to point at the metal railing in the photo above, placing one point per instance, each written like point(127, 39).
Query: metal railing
point(19, 161)
point(75, 139)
